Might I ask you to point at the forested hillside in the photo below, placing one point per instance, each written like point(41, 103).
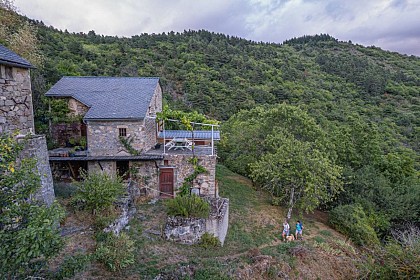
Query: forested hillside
point(317, 122)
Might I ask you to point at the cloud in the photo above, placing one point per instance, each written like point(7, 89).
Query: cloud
point(390, 24)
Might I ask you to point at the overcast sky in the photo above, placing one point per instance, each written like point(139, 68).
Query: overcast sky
point(389, 24)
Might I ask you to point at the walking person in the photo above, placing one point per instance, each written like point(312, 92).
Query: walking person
point(299, 229)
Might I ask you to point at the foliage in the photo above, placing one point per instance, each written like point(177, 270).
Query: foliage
point(116, 252)
point(293, 159)
point(188, 206)
point(185, 120)
point(126, 142)
point(28, 230)
point(398, 259)
point(72, 265)
point(209, 241)
point(352, 221)
point(97, 190)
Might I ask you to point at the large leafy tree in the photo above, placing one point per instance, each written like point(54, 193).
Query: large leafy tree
point(296, 172)
point(285, 151)
point(29, 232)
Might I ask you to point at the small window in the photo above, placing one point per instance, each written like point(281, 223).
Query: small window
point(122, 132)
point(9, 72)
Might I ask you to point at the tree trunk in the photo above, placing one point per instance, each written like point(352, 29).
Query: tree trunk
point(292, 194)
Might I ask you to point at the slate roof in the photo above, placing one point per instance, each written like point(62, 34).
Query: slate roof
point(109, 98)
point(198, 134)
point(143, 157)
point(7, 57)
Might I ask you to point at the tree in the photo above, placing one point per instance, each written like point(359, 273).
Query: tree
point(296, 172)
point(286, 152)
point(28, 229)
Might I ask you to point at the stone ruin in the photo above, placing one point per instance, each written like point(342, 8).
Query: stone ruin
point(189, 230)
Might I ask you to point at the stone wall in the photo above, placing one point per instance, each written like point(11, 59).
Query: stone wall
point(77, 108)
point(205, 183)
point(146, 177)
point(189, 230)
point(16, 113)
point(218, 222)
point(156, 102)
point(36, 147)
point(103, 137)
point(108, 167)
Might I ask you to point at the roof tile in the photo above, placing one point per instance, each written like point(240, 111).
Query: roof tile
point(109, 97)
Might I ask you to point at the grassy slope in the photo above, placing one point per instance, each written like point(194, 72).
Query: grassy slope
point(252, 248)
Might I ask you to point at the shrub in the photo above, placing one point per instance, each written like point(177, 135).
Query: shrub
point(352, 221)
point(98, 191)
point(29, 231)
point(116, 252)
point(188, 206)
point(209, 241)
point(399, 258)
point(72, 265)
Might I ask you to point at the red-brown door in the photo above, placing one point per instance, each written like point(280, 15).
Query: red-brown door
point(166, 182)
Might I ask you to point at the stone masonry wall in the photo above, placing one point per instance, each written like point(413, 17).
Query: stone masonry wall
point(206, 183)
point(108, 167)
point(146, 177)
point(103, 137)
point(16, 111)
point(189, 230)
point(36, 147)
point(77, 108)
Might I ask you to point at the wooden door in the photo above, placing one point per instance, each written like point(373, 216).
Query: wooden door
point(166, 182)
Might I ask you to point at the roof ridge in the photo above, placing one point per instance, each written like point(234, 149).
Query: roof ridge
point(111, 77)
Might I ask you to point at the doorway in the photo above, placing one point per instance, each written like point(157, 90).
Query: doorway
point(166, 182)
point(123, 169)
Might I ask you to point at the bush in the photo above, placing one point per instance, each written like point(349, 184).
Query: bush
point(116, 252)
point(188, 206)
point(399, 258)
point(352, 221)
point(71, 266)
point(97, 191)
point(209, 241)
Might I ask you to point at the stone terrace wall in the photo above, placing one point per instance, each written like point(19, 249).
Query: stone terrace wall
point(16, 111)
point(206, 183)
point(36, 147)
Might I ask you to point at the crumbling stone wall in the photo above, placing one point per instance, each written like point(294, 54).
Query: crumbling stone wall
point(189, 230)
point(36, 147)
point(16, 113)
point(103, 137)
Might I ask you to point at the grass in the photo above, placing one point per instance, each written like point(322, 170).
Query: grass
point(325, 233)
point(254, 229)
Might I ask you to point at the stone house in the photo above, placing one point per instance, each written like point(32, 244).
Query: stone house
point(16, 113)
point(105, 109)
point(16, 116)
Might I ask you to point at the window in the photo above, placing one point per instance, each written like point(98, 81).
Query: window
point(9, 72)
point(122, 132)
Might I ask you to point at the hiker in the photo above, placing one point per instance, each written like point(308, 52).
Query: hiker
point(299, 228)
point(286, 230)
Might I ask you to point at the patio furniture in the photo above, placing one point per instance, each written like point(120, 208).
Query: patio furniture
point(179, 143)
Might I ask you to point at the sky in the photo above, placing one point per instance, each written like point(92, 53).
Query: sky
point(389, 24)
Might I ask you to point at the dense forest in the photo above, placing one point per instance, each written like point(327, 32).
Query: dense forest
point(347, 115)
